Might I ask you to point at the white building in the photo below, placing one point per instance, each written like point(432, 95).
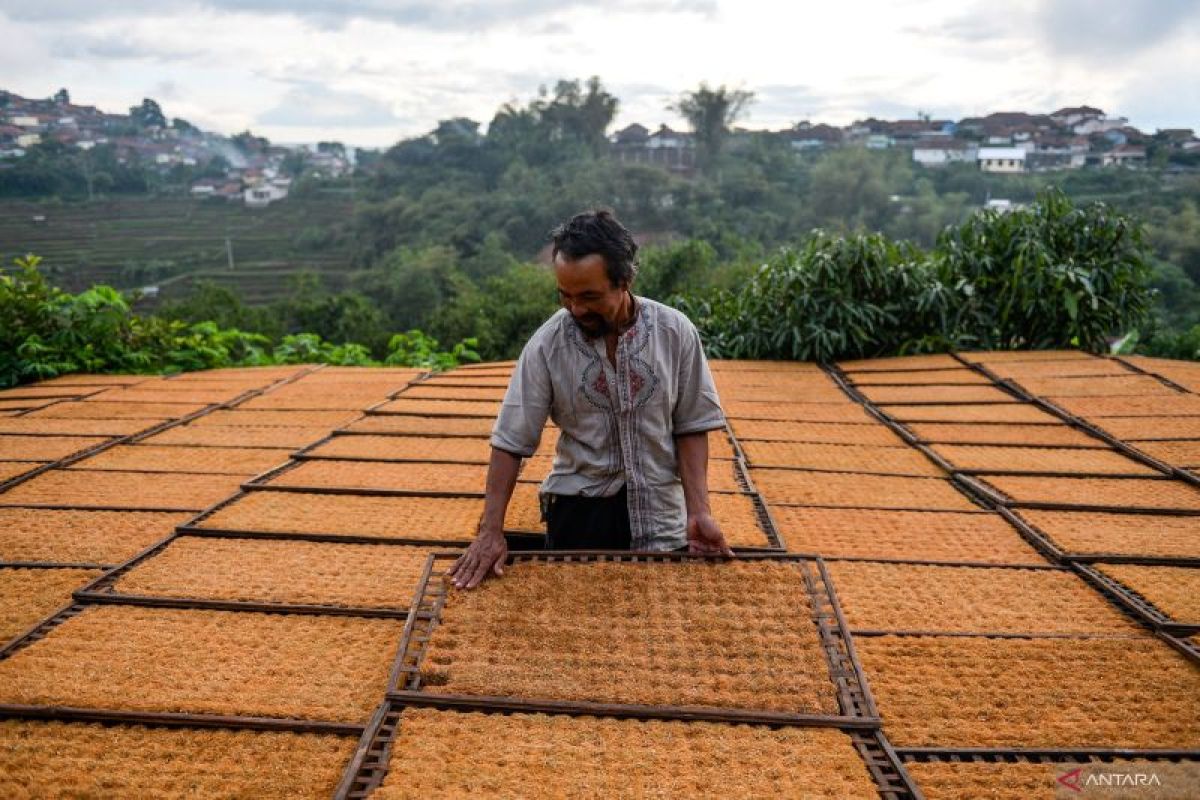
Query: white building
point(1001, 159)
point(265, 193)
point(938, 155)
point(1100, 125)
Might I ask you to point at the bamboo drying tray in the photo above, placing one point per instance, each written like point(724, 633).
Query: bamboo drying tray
point(45, 448)
point(60, 760)
point(1027, 435)
point(945, 599)
point(239, 417)
point(29, 595)
point(849, 490)
point(914, 535)
point(1091, 535)
point(990, 413)
point(269, 571)
point(244, 461)
point(289, 438)
point(85, 537)
point(615, 758)
point(846, 411)
point(207, 662)
point(937, 395)
point(981, 458)
point(946, 691)
point(753, 617)
point(1109, 493)
point(450, 519)
point(876, 459)
point(129, 490)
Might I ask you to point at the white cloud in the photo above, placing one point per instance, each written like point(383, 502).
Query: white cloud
point(369, 71)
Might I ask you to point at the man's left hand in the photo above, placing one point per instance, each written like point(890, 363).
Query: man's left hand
point(705, 537)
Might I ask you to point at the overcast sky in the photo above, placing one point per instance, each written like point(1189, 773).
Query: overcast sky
point(369, 72)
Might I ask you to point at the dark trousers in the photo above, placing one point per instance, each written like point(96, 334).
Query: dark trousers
point(588, 523)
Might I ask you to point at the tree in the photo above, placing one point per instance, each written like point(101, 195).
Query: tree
point(62, 97)
point(185, 127)
point(710, 113)
point(147, 115)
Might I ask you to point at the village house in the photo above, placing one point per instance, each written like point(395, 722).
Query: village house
point(1001, 159)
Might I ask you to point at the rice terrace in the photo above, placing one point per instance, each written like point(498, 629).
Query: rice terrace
point(953, 572)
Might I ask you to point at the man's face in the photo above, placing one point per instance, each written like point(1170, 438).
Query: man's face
point(585, 291)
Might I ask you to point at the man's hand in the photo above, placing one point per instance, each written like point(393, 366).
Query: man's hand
point(705, 537)
point(486, 554)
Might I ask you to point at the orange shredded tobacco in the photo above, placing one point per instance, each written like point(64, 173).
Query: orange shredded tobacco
point(82, 537)
point(45, 448)
point(207, 662)
point(1041, 459)
point(1031, 435)
point(245, 461)
point(961, 377)
point(432, 518)
point(110, 489)
point(408, 448)
point(797, 412)
point(22, 405)
point(83, 379)
point(62, 760)
point(847, 458)
point(1175, 591)
point(13, 469)
point(917, 597)
point(287, 438)
point(576, 757)
point(919, 535)
point(238, 417)
point(331, 402)
point(935, 394)
point(1088, 533)
point(923, 362)
point(463, 408)
point(40, 426)
point(1182, 405)
point(517, 637)
point(1103, 386)
point(738, 520)
point(94, 409)
point(459, 379)
point(750, 430)
point(797, 487)
point(1091, 368)
point(1149, 428)
point(138, 395)
point(782, 394)
point(362, 575)
point(27, 596)
point(1116, 492)
point(1181, 454)
point(1008, 356)
point(429, 426)
point(936, 691)
point(987, 413)
point(434, 392)
point(406, 476)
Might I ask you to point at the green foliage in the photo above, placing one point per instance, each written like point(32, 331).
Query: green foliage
point(1051, 274)
point(45, 332)
point(417, 349)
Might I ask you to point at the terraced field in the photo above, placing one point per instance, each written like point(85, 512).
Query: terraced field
point(119, 241)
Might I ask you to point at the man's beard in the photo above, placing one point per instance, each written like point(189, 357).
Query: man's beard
point(592, 325)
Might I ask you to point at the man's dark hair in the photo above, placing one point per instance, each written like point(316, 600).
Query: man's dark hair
point(598, 232)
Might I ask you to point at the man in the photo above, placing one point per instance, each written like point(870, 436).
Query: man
point(625, 380)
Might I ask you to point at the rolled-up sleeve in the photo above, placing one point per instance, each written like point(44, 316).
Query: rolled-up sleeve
point(526, 405)
point(697, 406)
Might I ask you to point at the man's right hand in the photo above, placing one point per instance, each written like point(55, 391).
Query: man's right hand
point(485, 556)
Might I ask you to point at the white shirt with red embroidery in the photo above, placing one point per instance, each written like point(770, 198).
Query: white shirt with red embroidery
point(617, 424)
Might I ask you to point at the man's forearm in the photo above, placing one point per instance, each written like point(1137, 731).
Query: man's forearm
point(691, 449)
point(501, 479)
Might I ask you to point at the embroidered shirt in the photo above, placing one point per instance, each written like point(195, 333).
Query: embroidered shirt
point(617, 424)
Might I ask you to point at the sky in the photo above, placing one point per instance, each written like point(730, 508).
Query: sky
point(371, 72)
